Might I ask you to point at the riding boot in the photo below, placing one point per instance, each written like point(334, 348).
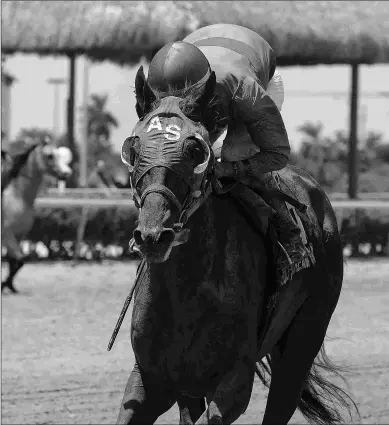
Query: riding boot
point(294, 252)
point(289, 233)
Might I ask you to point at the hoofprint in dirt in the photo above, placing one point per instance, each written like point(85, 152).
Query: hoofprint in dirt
point(56, 368)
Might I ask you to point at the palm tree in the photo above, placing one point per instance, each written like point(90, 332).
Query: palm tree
point(34, 133)
point(311, 130)
point(100, 121)
point(319, 155)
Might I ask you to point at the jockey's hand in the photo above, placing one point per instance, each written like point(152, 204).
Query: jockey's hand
point(224, 169)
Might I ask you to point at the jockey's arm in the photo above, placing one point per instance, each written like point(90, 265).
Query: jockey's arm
point(264, 123)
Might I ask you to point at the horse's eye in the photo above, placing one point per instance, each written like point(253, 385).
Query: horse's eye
point(50, 156)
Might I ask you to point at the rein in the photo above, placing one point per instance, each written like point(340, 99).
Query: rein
point(193, 201)
point(197, 195)
point(200, 190)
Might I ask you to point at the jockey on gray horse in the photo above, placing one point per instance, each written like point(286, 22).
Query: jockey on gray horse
point(256, 144)
point(23, 168)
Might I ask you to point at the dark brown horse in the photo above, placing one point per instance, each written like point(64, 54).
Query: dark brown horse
point(201, 323)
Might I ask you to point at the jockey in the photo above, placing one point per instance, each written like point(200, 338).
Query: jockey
point(6, 167)
point(11, 165)
point(256, 144)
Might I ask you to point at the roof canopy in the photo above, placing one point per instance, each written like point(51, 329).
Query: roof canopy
point(301, 32)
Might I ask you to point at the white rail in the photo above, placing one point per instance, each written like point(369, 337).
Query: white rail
point(112, 201)
point(83, 202)
point(125, 193)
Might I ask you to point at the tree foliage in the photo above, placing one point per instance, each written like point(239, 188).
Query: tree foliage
point(326, 159)
point(100, 120)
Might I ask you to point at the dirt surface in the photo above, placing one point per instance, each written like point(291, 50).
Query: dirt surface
point(56, 368)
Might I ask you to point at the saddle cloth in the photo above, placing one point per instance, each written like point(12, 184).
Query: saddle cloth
point(260, 215)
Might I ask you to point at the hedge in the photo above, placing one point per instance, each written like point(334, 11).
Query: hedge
point(57, 230)
point(113, 227)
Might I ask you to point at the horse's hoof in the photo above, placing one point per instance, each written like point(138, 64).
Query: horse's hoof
point(10, 287)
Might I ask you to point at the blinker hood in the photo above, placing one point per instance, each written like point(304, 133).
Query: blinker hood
point(162, 134)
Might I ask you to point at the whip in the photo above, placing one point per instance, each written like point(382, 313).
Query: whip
point(140, 273)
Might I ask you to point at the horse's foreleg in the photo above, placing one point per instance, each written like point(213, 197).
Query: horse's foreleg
point(231, 396)
point(190, 409)
point(15, 257)
point(292, 359)
point(144, 400)
point(14, 266)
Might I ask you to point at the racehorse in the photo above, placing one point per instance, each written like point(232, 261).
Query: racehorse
point(202, 321)
point(18, 196)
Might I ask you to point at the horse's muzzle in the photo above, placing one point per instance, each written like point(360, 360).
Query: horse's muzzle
point(64, 174)
point(154, 243)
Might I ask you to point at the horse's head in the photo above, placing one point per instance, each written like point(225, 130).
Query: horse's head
point(55, 160)
point(169, 158)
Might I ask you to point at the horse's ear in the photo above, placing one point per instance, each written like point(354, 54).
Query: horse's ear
point(209, 90)
point(143, 93)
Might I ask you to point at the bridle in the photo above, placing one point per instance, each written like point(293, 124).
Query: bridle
point(199, 191)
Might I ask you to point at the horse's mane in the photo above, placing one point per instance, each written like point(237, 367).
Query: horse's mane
point(209, 115)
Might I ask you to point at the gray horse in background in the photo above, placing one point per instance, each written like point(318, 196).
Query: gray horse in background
point(26, 164)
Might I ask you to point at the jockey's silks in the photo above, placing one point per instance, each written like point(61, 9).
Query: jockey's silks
point(244, 63)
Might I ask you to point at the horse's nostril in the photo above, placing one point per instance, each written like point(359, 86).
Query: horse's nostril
point(138, 237)
point(166, 237)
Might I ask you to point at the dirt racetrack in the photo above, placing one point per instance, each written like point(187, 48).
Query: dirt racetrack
point(56, 368)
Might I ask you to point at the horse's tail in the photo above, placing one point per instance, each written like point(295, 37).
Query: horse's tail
point(321, 401)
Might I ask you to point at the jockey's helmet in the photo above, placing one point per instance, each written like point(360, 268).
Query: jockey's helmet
point(177, 66)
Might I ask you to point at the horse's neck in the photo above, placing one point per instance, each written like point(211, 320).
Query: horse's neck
point(29, 180)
